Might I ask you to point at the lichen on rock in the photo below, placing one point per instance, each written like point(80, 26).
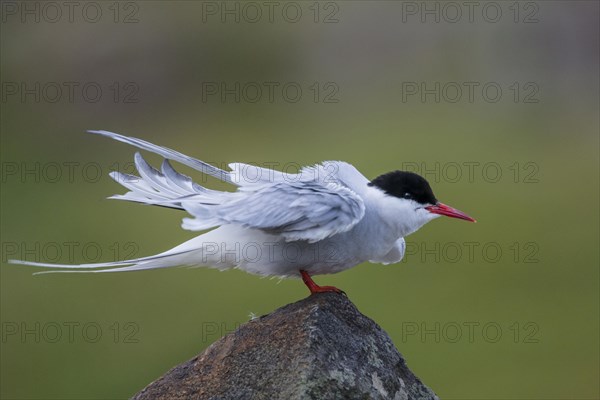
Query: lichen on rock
point(321, 347)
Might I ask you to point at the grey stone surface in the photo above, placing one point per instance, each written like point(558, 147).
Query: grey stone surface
point(321, 347)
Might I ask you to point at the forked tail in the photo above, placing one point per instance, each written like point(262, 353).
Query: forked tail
point(165, 188)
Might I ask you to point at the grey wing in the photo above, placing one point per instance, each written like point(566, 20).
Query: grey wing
point(246, 174)
point(311, 205)
point(308, 211)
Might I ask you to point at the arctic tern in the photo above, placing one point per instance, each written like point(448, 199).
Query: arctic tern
point(325, 219)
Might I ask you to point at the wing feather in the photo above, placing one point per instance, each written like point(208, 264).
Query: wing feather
point(304, 211)
point(312, 205)
point(169, 154)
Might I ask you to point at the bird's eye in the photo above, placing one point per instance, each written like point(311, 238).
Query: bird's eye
point(407, 195)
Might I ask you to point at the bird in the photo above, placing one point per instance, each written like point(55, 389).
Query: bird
point(324, 219)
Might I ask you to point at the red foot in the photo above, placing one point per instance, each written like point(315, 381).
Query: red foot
point(314, 288)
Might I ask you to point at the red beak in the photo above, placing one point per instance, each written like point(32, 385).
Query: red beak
point(442, 209)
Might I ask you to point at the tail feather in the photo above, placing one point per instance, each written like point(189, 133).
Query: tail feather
point(153, 262)
point(190, 253)
point(94, 265)
point(167, 188)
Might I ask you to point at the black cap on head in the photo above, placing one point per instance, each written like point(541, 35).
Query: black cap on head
point(405, 185)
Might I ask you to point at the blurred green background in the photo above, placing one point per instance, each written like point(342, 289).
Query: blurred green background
point(519, 324)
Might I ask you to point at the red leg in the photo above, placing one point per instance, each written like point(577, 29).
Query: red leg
point(314, 288)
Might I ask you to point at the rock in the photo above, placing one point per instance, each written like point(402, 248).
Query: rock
point(321, 347)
